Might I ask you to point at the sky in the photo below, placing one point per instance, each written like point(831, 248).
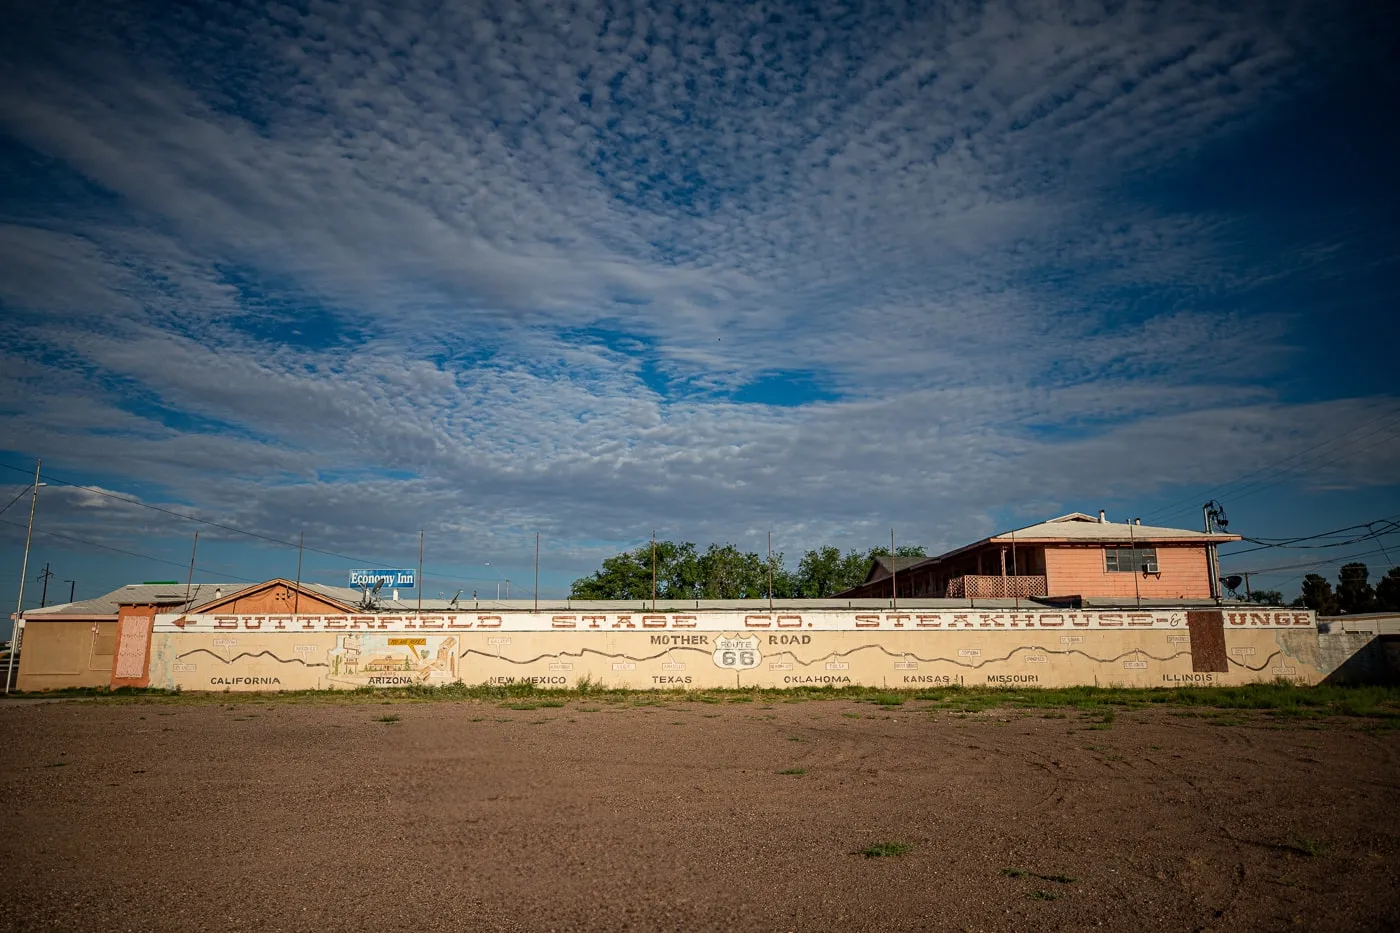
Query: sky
point(492, 270)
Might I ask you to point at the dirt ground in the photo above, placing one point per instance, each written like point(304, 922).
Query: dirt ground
point(679, 816)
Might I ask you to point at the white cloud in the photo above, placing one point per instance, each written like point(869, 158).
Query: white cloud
point(931, 215)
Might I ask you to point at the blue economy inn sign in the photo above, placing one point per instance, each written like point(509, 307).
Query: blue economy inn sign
point(401, 579)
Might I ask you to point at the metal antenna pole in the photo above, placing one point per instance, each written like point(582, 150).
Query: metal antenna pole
point(653, 570)
point(420, 571)
point(296, 596)
point(23, 572)
point(1132, 539)
point(770, 571)
point(537, 571)
point(189, 581)
point(894, 565)
point(1015, 586)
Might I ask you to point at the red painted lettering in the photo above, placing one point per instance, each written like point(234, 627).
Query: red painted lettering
point(563, 622)
point(867, 621)
point(653, 621)
point(757, 622)
point(789, 621)
point(683, 621)
point(488, 621)
point(929, 622)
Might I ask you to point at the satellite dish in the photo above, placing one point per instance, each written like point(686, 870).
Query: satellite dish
point(378, 585)
point(1232, 582)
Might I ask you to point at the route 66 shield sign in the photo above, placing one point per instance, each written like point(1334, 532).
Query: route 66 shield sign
point(737, 653)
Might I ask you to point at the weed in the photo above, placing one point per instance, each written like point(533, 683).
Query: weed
point(851, 715)
point(1303, 845)
point(389, 718)
point(885, 850)
point(887, 699)
point(57, 764)
point(1039, 895)
point(1022, 873)
point(794, 771)
point(552, 704)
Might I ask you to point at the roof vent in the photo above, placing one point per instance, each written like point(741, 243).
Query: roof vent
point(1137, 521)
point(1101, 516)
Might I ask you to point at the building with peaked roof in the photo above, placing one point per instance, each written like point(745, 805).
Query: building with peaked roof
point(1072, 557)
point(72, 644)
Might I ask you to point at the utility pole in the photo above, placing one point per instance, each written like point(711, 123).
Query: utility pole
point(653, 570)
point(770, 571)
point(894, 583)
point(23, 572)
point(72, 585)
point(44, 595)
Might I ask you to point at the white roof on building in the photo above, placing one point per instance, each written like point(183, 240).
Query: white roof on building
point(165, 594)
point(1076, 526)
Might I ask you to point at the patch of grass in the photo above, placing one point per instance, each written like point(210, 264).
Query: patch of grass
point(57, 764)
point(552, 704)
point(885, 850)
point(1023, 873)
point(1377, 706)
point(520, 706)
point(390, 718)
point(1307, 846)
point(888, 699)
point(794, 771)
point(1040, 895)
point(851, 715)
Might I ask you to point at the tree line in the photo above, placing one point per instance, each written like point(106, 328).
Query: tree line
point(725, 572)
point(1354, 593)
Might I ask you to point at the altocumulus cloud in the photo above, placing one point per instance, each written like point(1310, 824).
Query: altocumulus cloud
point(590, 268)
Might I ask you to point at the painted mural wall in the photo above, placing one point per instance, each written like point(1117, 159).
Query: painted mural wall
point(734, 649)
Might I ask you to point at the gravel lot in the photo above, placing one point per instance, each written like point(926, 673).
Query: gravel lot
point(196, 815)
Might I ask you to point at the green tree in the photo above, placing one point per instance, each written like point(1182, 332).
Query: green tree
point(628, 575)
point(1267, 597)
point(725, 572)
point(824, 571)
point(1388, 591)
point(1354, 593)
point(1318, 595)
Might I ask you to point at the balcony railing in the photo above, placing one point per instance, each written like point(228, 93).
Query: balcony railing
point(986, 587)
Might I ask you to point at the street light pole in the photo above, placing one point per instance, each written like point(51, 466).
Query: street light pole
point(24, 572)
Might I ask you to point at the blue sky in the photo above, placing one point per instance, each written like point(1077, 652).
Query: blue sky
point(586, 270)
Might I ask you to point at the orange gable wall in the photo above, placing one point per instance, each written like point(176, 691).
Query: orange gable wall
point(1079, 571)
point(278, 599)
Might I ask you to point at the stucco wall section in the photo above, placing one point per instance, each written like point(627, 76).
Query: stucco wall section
point(1080, 571)
point(59, 655)
point(263, 660)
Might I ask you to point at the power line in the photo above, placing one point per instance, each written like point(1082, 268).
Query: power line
point(1272, 469)
point(1292, 543)
point(428, 571)
point(108, 547)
